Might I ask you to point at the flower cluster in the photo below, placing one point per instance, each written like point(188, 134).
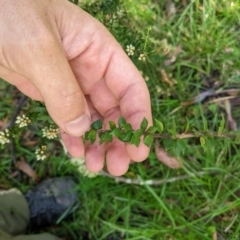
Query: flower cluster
point(41, 153)
point(23, 121)
point(130, 50)
point(142, 57)
point(4, 137)
point(50, 132)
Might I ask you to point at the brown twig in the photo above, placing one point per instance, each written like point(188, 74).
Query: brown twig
point(12, 121)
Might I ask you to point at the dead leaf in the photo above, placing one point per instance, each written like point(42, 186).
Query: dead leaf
point(3, 123)
point(226, 105)
point(165, 158)
point(232, 124)
point(172, 56)
point(166, 78)
point(30, 143)
point(215, 236)
point(27, 169)
point(170, 8)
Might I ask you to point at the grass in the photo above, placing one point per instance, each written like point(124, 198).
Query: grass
point(200, 207)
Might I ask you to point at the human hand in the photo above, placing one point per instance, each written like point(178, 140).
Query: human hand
point(53, 51)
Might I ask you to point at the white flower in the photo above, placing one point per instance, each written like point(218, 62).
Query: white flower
point(142, 57)
point(4, 137)
point(146, 78)
point(50, 132)
point(159, 89)
point(130, 50)
point(23, 121)
point(41, 153)
point(80, 163)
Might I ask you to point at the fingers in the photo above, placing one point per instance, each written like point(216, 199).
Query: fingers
point(52, 76)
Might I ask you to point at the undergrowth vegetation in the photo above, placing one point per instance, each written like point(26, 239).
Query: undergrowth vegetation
point(188, 53)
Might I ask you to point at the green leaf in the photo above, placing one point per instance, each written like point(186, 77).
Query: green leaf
point(148, 140)
point(138, 133)
point(127, 127)
point(144, 124)
point(112, 125)
point(121, 122)
point(205, 124)
point(187, 126)
point(92, 136)
point(159, 125)
point(108, 136)
point(195, 132)
point(135, 140)
point(117, 133)
point(151, 129)
point(222, 126)
point(237, 139)
point(86, 135)
point(203, 142)
point(97, 124)
point(127, 137)
point(102, 139)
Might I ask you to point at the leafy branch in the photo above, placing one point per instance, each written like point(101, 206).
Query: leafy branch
point(125, 133)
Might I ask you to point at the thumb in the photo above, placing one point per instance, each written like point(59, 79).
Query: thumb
point(52, 76)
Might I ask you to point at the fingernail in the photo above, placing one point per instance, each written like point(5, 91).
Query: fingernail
point(78, 126)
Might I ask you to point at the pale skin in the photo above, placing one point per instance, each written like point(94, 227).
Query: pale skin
point(54, 52)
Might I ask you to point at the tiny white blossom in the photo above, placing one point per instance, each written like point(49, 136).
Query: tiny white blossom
point(41, 153)
point(130, 50)
point(23, 121)
point(142, 57)
point(50, 132)
point(146, 78)
point(4, 137)
point(159, 89)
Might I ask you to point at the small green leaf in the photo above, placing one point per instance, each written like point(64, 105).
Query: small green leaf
point(195, 132)
point(127, 127)
point(138, 133)
point(92, 135)
point(205, 124)
point(97, 124)
point(135, 140)
point(187, 126)
point(86, 135)
point(121, 122)
point(237, 139)
point(144, 124)
point(151, 129)
point(222, 126)
point(112, 125)
point(159, 125)
point(108, 136)
point(102, 139)
point(117, 133)
point(148, 140)
point(203, 142)
point(127, 137)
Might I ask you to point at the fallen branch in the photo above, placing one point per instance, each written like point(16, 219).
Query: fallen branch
point(153, 182)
